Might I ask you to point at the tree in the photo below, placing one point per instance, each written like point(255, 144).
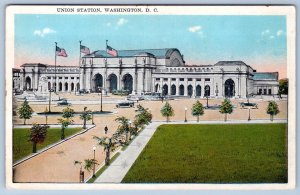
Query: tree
point(197, 110)
point(67, 115)
point(283, 87)
point(226, 108)
point(86, 116)
point(64, 124)
point(123, 128)
point(88, 165)
point(37, 135)
point(143, 117)
point(25, 111)
point(167, 111)
point(272, 109)
point(109, 144)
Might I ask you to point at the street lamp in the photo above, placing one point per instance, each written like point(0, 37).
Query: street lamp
point(185, 109)
point(249, 118)
point(100, 90)
point(93, 118)
point(50, 91)
point(94, 149)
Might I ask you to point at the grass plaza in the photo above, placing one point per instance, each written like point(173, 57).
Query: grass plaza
point(232, 153)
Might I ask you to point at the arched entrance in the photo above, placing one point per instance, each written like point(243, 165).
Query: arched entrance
point(72, 86)
point(112, 82)
point(98, 82)
point(66, 86)
point(28, 83)
point(198, 90)
point(77, 87)
point(60, 86)
point(128, 82)
point(181, 90)
point(165, 90)
point(207, 90)
point(190, 90)
point(173, 90)
point(157, 88)
point(229, 88)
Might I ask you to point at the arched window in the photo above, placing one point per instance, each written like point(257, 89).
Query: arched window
point(181, 90)
point(173, 90)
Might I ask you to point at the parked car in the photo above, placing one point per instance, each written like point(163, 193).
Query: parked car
point(63, 102)
point(83, 91)
point(125, 104)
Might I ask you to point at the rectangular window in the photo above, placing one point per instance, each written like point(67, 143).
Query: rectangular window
point(157, 79)
point(77, 77)
point(181, 79)
point(207, 79)
point(198, 79)
point(265, 91)
point(49, 78)
point(72, 77)
point(165, 79)
point(190, 79)
point(260, 91)
point(270, 91)
point(173, 79)
point(66, 77)
point(60, 77)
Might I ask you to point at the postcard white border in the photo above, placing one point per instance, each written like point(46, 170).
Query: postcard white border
point(288, 11)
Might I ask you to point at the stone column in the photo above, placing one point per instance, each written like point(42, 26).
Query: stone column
point(194, 87)
point(177, 86)
point(169, 86)
point(186, 87)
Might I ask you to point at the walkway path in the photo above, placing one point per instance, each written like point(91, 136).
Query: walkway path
point(118, 169)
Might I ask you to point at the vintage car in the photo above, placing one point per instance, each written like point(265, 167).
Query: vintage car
point(125, 104)
point(63, 102)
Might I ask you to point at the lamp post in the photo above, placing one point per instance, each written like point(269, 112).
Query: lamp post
point(50, 100)
point(93, 118)
point(249, 118)
point(185, 109)
point(100, 90)
point(94, 149)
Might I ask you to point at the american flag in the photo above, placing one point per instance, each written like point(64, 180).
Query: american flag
point(61, 52)
point(111, 51)
point(84, 49)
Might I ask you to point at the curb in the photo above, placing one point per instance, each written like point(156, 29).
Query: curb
point(50, 146)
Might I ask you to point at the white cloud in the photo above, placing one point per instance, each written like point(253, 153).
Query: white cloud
point(279, 33)
point(194, 29)
point(44, 32)
point(122, 21)
point(265, 32)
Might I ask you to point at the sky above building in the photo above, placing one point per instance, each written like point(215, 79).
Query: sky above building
point(259, 41)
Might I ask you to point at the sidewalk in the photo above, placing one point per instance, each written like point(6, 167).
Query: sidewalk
point(118, 169)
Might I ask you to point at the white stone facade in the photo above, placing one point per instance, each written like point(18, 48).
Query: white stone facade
point(153, 70)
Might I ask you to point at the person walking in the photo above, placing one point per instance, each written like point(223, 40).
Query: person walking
point(105, 129)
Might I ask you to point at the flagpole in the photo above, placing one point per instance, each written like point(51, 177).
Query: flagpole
point(55, 69)
point(79, 65)
point(106, 44)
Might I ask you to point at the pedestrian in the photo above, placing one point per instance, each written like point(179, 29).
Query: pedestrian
point(105, 129)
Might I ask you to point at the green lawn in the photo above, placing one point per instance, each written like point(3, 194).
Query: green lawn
point(22, 147)
point(252, 153)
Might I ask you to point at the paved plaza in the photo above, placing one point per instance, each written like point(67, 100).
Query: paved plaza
point(57, 163)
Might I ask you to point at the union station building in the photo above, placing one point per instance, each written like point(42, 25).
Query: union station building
point(148, 70)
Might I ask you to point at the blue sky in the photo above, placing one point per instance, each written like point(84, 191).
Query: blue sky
point(260, 41)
